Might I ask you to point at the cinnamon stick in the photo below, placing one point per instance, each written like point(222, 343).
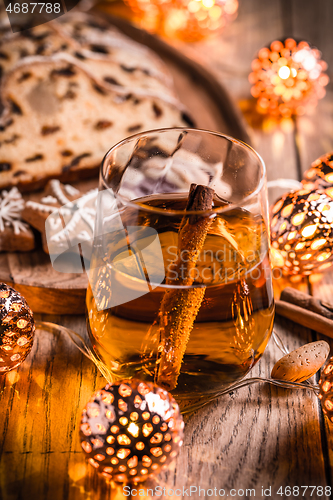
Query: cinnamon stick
point(180, 306)
point(306, 301)
point(306, 311)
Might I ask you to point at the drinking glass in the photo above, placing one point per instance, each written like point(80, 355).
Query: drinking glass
point(179, 295)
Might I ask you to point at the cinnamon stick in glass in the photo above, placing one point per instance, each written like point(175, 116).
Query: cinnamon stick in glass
point(180, 306)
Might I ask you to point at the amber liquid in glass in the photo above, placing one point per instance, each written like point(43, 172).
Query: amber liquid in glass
point(235, 319)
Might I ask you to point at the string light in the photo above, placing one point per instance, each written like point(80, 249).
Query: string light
point(131, 430)
point(326, 389)
point(17, 328)
point(288, 77)
point(302, 232)
point(187, 20)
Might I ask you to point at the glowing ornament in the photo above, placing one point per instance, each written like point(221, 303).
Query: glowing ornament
point(320, 175)
point(326, 389)
point(17, 328)
point(302, 232)
point(194, 20)
point(188, 20)
point(131, 430)
point(288, 77)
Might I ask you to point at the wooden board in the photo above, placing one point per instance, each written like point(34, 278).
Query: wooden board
point(48, 291)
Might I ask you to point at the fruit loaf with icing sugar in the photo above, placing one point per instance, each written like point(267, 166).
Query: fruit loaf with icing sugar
point(59, 122)
point(71, 89)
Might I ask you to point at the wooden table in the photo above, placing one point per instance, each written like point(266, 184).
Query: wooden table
point(257, 437)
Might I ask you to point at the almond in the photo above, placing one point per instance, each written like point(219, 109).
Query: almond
point(303, 363)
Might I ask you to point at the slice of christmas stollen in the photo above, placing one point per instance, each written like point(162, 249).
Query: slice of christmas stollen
point(15, 235)
point(64, 216)
point(48, 135)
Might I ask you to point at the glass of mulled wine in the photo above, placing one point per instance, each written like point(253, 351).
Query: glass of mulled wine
point(180, 280)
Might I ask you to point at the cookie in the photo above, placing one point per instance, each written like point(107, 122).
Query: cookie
point(15, 235)
point(63, 215)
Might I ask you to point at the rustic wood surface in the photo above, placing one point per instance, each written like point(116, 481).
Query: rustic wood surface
point(258, 436)
point(52, 292)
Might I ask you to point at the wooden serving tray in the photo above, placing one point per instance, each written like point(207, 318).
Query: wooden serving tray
point(31, 273)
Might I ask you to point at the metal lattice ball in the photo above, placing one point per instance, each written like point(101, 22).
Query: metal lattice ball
point(302, 232)
point(17, 328)
point(288, 77)
point(320, 175)
point(131, 430)
point(326, 389)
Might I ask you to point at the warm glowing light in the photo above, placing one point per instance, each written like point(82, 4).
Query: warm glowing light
point(300, 245)
point(324, 256)
point(291, 235)
point(125, 391)
point(156, 438)
point(298, 219)
point(22, 323)
point(277, 206)
point(208, 3)
point(326, 386)
point(122, 405)
point(329, 405)
point(143, 389)
point(133, 429)
point(93, 411)
point(157, 452)
point(315, 245)
point(93, 463)
point(107, 398)
point(287, 78)
point(309, 231)
point(286, 211)
point(302, 230)
point(136, 436)
point(123, 439)
point(110, 415)
point(147, 429)
point(187, 20)
point(86, 446)
point(284, 72)
point(132, 462)
point(137, 401)
point(123, 453)
point(146, 461)
point(327, 265)
point(306, 256)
